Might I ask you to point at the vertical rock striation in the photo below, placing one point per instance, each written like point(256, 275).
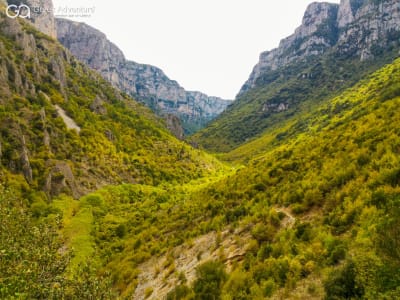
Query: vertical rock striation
point(316, 34)
point(368, 26)
point(358, 28)
point(42, 16)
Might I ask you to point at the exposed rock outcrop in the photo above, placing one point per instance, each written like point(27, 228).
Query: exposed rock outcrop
point(25, 164)
point(41, 15)
point(354, 28)
point(309, 39)
point(146, 83)
point(46, 135)
point(97, 106)
point(368, 26)
point(61, 180)
point(174, 125)
point(69, 123)
point(155, 274)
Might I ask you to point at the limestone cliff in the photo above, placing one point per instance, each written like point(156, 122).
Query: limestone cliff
point(309, 39)
point(368, 26)
point(357, 28)
point(146, 83)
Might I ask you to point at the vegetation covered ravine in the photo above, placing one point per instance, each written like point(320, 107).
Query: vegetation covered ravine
point(120, 209)
point(315, 216)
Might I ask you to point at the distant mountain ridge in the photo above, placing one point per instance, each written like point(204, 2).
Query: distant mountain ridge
point(146, 83)
point(335, 46)
point(62, 125)
point(356, 27)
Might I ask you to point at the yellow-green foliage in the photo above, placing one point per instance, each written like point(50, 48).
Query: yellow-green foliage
point(317, 194)
point(257, 110)
point(81, 241)
point(77, 228)
point(336, 172)
point(33, 259)
point(337, 169)
point(120, 140)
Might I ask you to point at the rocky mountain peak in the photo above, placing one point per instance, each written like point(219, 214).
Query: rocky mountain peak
point(91, 47)
point(316, 33)
point(368, 27)
point(358, 28)
point(317, 14)
point(43, 18)
point(348, 10)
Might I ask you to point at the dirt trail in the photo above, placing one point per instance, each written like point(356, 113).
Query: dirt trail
point(289, 220)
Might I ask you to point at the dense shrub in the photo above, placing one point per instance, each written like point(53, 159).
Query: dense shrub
point(341, 283)
point(210, 279)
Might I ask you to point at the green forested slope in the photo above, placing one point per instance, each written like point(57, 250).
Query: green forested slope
point(119, 141)
point(336, 169)
point(121, 209)
point(299, 86)
point(316, 211)
point(116, 141)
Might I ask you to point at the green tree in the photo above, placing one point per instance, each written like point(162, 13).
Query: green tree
point(238, 286)
point(341, 284)
point(210, 279)
point(31, 263)
point(179, 292)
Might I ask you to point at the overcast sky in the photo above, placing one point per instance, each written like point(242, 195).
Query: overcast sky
point(206, 45)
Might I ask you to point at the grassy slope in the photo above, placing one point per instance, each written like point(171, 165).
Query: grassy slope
point(335, 171)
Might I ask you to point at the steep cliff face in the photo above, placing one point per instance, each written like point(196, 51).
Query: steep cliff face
point(358, 28)
point(91, 47)
point(315, 35)
point(147, 83)
point(367, 27)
